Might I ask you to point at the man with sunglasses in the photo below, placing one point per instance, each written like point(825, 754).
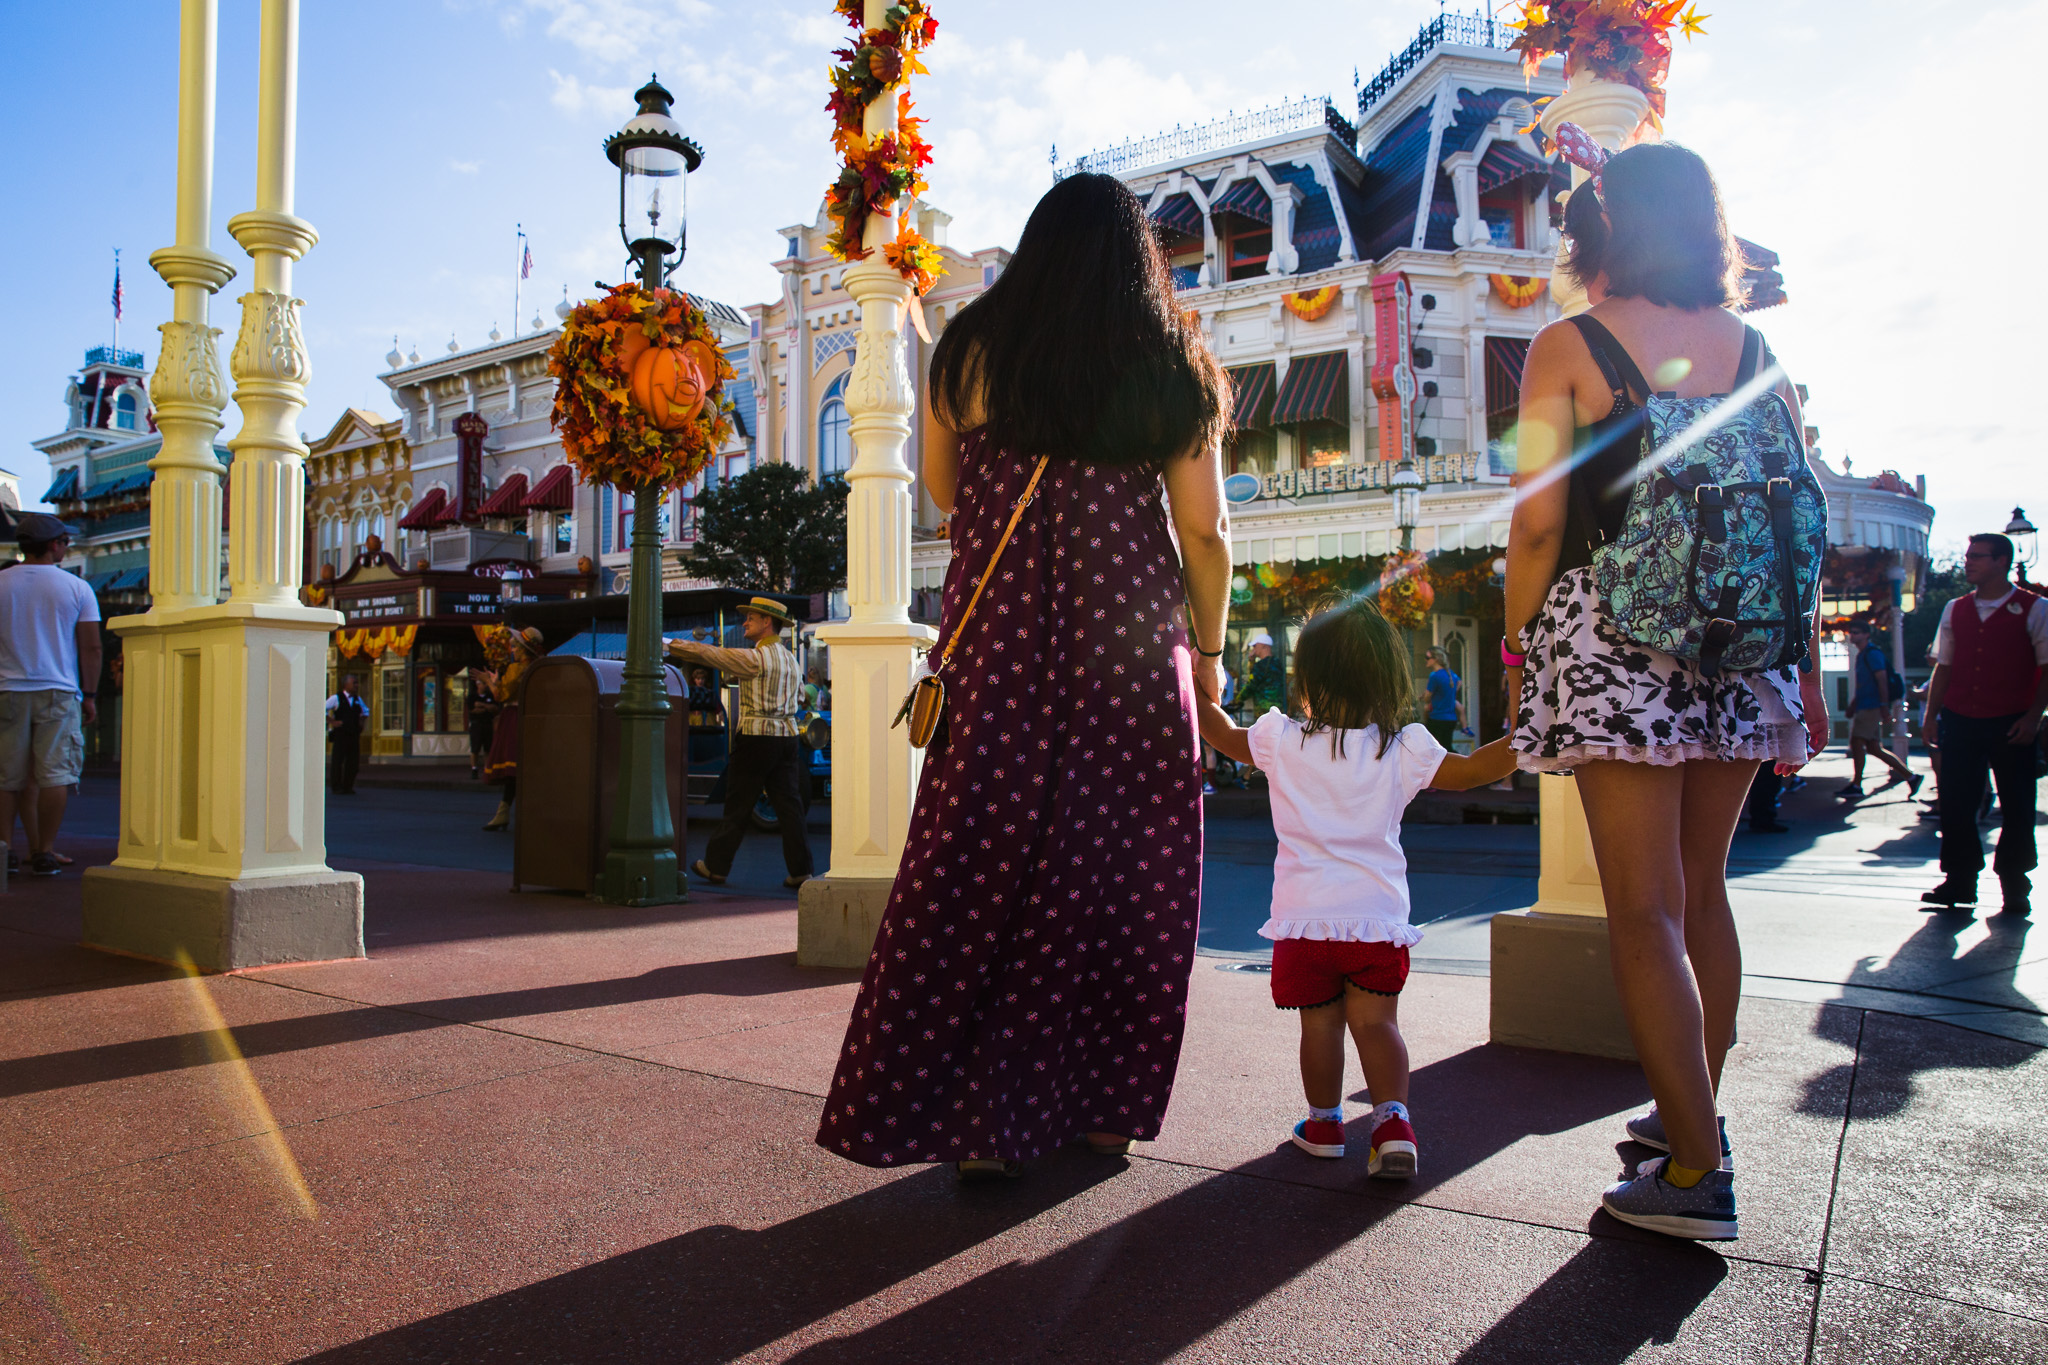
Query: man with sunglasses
point(1984, 703)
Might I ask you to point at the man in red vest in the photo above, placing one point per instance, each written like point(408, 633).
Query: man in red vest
point(1984, 702)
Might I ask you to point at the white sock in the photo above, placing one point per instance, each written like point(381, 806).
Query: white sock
point(1391, 1109)
point(1327, 1115)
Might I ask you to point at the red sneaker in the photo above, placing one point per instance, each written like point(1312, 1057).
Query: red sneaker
point(1393, 1150)
point(1320, 1137)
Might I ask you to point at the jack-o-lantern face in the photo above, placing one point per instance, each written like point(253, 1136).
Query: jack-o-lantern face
point(633, 344)
point(668, 384)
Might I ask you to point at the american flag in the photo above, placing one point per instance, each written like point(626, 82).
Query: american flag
point(117, 286)
point(525, 260)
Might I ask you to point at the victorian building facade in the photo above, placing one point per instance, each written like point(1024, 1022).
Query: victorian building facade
point(802, 345)
point(100, 476)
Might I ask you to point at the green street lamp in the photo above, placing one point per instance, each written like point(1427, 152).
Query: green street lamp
point(654, 161)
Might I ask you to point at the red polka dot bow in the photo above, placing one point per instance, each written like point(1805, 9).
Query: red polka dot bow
point(1576, 145)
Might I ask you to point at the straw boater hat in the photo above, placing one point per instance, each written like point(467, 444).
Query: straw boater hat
point(535, 642)
point(772, 609)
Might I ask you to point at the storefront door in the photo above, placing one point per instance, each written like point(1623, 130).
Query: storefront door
point(1458, 637)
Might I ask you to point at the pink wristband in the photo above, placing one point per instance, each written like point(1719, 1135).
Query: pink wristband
point(1511, 660)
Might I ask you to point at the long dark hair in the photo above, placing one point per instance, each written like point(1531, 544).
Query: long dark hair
point(1665, 237)
point(1079, 350)
point(1352, 669)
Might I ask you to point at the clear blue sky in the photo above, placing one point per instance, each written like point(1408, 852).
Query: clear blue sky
point(1864, 143)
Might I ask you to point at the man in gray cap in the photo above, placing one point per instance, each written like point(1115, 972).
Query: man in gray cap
point(49, 673)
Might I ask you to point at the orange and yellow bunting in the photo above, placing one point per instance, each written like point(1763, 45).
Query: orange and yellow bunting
point(402, 638)
point(1518, 291)
point(1311, 304)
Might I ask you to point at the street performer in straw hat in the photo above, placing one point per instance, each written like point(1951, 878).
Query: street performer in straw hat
point(766, 754)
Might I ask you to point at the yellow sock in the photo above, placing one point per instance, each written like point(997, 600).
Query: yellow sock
point(1684, 1177)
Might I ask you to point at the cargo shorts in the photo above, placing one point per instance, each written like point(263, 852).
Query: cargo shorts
point(41, 738)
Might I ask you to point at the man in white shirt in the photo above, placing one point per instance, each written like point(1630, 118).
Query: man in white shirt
point(347, 714)
point(1984, 702)
point(49, 646)
point(766, 754)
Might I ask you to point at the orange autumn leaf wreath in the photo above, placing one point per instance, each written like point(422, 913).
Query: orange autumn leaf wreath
point(608, 435)
point(877, 171)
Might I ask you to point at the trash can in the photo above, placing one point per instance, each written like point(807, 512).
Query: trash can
point(569, 770)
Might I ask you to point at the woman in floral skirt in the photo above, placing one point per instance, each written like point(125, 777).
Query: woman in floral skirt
point(1028, 985)
point(1664, 753)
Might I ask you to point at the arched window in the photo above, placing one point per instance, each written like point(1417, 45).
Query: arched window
point(124, 410)
point(362, 531)
point(835, 437)
point(377, 525)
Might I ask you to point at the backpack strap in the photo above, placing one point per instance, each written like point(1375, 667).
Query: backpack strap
point(1617, 367)
point(1753, 352)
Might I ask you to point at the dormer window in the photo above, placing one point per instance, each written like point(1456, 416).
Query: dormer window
point(1248, 246)
point(1504, 214)
point(124, 411)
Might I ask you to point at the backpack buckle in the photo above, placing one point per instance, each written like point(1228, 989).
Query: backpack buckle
point(1777, 490)
point(1709, 495)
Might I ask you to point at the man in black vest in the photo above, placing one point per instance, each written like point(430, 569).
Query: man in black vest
point(347, 714)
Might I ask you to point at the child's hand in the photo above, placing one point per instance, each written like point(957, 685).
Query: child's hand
point(1487, 764)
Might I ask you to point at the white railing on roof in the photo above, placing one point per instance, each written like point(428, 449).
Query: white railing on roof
point(1289, 116)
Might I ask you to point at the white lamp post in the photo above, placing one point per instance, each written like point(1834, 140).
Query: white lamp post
point(2025, 543)
point(1407, 486)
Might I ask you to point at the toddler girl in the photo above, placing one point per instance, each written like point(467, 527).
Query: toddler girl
point(1339, 779)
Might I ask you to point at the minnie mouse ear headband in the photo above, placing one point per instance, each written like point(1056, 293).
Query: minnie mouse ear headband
point(1576, 145)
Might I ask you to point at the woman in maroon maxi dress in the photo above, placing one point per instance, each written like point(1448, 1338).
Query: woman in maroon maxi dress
point(1028, 984)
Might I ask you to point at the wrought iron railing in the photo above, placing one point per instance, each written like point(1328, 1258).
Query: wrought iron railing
point(110, 355)
point(1469, 30)
point(1289, 116)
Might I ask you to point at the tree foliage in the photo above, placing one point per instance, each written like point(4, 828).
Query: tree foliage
point(1943, 582)
point(772, 530)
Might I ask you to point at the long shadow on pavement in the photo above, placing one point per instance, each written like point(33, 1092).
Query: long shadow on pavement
point(1604, 1305)
point(767, 974)
point(1140, 1289)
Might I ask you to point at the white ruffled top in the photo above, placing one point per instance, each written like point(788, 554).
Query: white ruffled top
point(1340, 873)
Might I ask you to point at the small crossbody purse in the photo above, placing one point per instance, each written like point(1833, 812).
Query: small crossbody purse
point(926, 702)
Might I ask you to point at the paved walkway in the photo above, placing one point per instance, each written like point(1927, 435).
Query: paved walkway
point(533, 1129)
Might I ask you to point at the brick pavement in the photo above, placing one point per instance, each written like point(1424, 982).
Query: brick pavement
point(534, 1129)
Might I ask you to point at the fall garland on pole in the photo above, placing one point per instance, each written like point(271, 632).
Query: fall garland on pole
point(878, 171)
point(641, 400)
point(1405, 592)
point(1624, 41)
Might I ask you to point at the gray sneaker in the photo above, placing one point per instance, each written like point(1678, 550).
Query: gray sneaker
point(1648, 1129)
point(1705, 1213)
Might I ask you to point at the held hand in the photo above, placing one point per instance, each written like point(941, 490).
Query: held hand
point(1514, 684)
point(1814, 709)
point(1209, 679)
point(2024, 729)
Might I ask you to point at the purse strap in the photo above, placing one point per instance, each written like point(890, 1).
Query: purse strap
point(994, 559)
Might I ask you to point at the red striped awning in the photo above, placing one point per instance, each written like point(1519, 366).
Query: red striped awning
point(1179, 214)
point(1505, 163)
point(1246, 199)
point(1505, 357)
point(428, 513)
point(1251, 388)
point(556, 492)
point(509, 500)
point(1317, 389)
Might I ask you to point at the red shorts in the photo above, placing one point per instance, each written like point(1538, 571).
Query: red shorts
point(1308, 972)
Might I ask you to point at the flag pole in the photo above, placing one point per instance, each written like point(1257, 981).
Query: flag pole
point(518, 276)
point(117, 305)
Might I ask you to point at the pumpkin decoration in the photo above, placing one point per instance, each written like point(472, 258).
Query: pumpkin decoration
point(668, 385)
point(1518, 291)
point(1405, 593)
point(640, 402)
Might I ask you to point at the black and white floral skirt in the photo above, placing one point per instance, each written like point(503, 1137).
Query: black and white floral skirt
point(1589, 694)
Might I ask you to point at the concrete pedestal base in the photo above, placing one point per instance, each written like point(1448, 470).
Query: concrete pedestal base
point(1553, 985)
point(221, 924)
point(837, 918)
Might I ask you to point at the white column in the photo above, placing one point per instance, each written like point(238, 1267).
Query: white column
point(874, 769)
point(1610, 113)
point(187, 387)
point(222, 849)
